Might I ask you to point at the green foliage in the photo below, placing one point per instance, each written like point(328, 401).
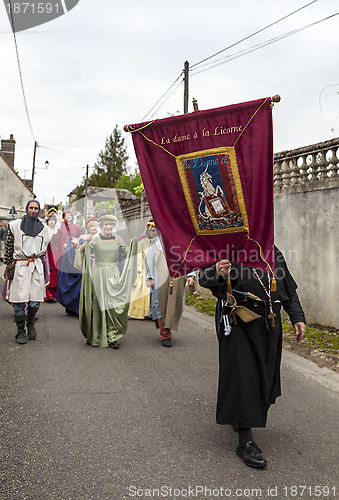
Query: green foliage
point(138, 190)
point(112, 160)
point(110, 165)
point(104, 207)
point(326, 340)
point(130, 182)
point(206, 306)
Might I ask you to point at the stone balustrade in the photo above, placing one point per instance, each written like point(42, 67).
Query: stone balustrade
point(309, 168)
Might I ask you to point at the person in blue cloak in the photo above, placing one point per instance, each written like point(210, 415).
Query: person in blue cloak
point(69, 281)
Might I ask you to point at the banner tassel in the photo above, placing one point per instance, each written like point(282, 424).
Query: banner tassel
point(274, 284)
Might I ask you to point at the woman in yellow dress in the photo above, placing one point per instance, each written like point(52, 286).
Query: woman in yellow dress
point(139, 307)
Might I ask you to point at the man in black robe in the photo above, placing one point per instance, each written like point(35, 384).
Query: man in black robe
point(250, 352)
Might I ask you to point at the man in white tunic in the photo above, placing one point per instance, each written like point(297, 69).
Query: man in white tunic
point(26, 244)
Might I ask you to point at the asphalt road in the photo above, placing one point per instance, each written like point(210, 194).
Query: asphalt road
point(78, 422)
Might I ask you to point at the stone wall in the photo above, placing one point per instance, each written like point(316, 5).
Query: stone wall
point(306, 225)
point(136, 214)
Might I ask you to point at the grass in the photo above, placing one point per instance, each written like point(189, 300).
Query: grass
point(325, 339)
point(321, 344)
point(206, 306)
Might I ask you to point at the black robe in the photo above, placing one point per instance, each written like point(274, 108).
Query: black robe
point(250, 356)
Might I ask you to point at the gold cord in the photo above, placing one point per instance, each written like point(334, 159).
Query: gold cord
point(183, 260)
point(274, 283)
point(131, 130)
point(243, 130)
point(159, 146)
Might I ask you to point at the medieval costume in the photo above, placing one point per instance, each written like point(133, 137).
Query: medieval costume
point(26, 244)
point(165, 308)
point(250, 348)
point(139, 306)
point(54, 254)
point(68, 229)
point(70, 276)
point(105, 292)
point(3, 236)
point(90, 231)
point(69, 281)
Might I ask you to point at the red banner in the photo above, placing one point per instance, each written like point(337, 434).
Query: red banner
point(208, 178)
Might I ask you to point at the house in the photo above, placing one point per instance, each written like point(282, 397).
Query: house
point(14, 191)
point(102, 193)
point(99, 200)
point(108, 199)
point(72, 195)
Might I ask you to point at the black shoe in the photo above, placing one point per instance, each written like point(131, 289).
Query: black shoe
point(71, 313)
point(167, 343)
point(250, 453)
point(115, 345)
point(21, 338)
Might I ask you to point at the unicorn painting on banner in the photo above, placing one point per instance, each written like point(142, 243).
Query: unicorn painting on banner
point(212, 197)
point(212, 189)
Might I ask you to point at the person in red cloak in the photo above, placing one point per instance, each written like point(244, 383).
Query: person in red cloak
point(54, 252)
point(68, 229)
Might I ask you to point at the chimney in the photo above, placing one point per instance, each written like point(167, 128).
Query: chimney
point(7, 150)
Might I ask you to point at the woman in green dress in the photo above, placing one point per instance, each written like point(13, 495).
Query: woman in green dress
point(105, 290)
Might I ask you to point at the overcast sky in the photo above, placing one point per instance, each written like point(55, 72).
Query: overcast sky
point(108, 62)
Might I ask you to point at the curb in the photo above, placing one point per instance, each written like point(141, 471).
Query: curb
point(307, 368)
point(311, 370)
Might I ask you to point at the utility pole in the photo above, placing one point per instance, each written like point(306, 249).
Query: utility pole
point(86, 185)
point(186, 68)
point(33, 168)
point(86, 188)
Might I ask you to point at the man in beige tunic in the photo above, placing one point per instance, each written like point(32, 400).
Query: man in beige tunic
point(26, 244)
point(165, 308)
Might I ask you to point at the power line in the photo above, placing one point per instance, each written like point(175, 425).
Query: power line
point(175, 81)
point(70, 153)
point(223, 50)
point(21, 80)
point(264, 44)
point(168, 96)
point(253, 34)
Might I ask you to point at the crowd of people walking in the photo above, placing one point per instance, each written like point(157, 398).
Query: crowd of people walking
point(92, 273)
point(97, 276)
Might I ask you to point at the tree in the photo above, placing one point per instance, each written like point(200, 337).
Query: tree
point(112, 160)
point(131, 182)
point(111, 163)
